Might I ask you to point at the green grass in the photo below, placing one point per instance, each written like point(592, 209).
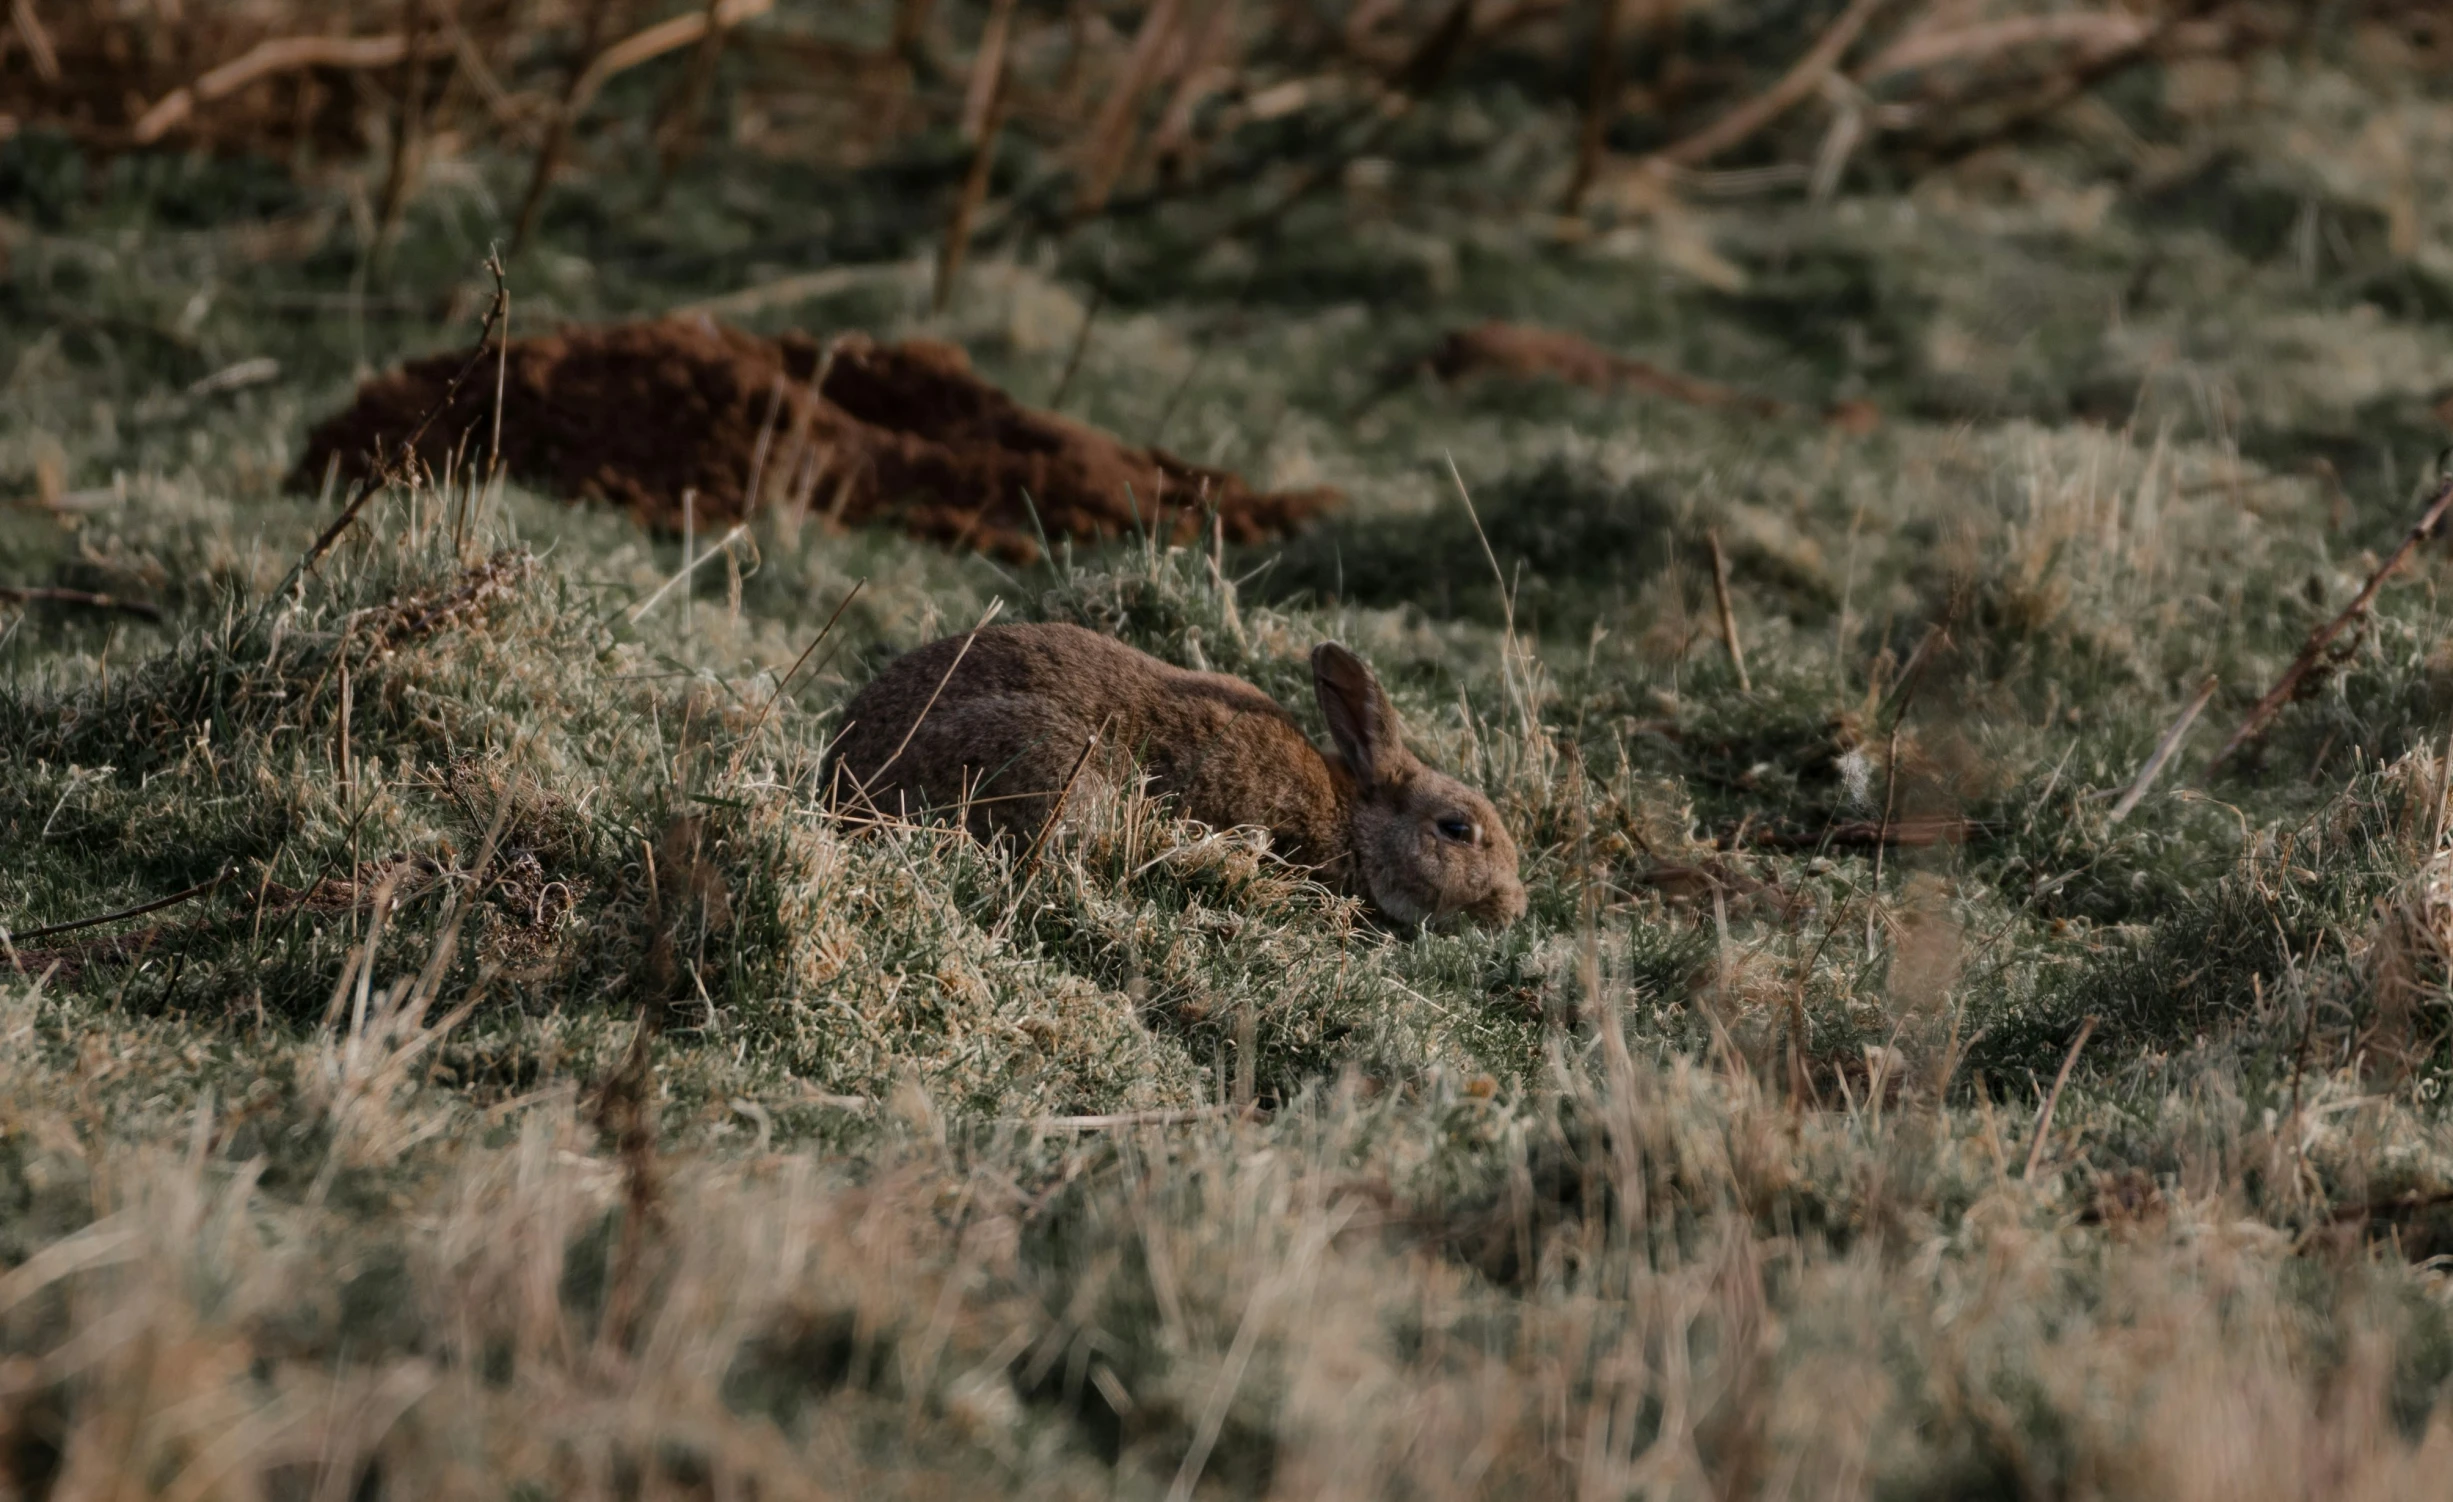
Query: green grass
point(554, 1099)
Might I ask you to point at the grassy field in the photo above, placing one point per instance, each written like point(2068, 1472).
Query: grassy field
point(546, 1097)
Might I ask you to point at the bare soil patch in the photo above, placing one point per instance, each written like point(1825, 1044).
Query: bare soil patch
point(638, 415)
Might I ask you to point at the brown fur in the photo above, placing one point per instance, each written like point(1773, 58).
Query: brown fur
point(996, 723)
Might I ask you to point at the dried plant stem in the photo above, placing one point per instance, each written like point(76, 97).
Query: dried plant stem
point(680, 132)
point(794, 671)
point(30, 30)
point(1174, 1117)
point(2288, 685)
point(990, 614)
point(1729, 619)
point(909, 40)
point(565, 116)
point(1110, 142)
point(1081, 344)
point(495, 315)
point(86, 598)
point(2044, 1121)
point(2163, 751)
point(281, 55)
point(1794, 88)
point(138, 911)
point(974, 192)
point(987, 70)
point(408, 131)
point(1047, 826)
point(1601, 89)
point(1909, 681)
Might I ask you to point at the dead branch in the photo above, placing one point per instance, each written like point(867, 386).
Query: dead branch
point(1601, 92)
point(975, 182)
point(2163, 751)
point(583, 82)
point(30, 31)
point(1867, 834)
point(1929, 47)
point(2287, 687)
point(281, 55)
point(496, 315)
point(88, 599)
point(1110, 142)
point(1729, 619)
point(657, 40)
point(1793, 89)
point(138, 911)
point(1179, 1117)
point(2044, 1120)
point(677, 132)
point(2068, 85)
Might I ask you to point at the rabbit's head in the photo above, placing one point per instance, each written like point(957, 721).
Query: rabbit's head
point(1425, 844)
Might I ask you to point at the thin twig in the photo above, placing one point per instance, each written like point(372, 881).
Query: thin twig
point(680, 133)
point(1081, 342)
point(2044, 1123)
point(1177, 1117)
point(558, 129)
point(974, 191)
point(1794, 88)
point(138, 911)
point(386, 474)
point(1908, 682)
point(2163, 751)
point(905, 744)
point(408, 133)
point(29, 593)
point(1030, 861)
point(823, 632)
point(639, 611)
point(1729, 619)
point(2318, 640)
point(1600, 103)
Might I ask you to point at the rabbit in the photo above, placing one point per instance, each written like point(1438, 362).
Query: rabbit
point(1000, 723)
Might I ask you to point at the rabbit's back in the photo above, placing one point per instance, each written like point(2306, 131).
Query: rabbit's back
point(998, 727)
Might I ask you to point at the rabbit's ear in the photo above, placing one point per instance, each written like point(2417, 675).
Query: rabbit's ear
point(1360, 718)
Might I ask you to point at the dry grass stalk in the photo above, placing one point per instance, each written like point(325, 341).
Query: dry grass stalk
point(987, 70)
point(1109, 144)
point(2287, 687)
point(2164, 750)
point(85, 599)
point(677, 132)
point(189, 894)
point(408, 126)
point(974, 190)
point(497, 314)
point(1728, 616)
point(30, 30)
point(1796, 86)
point(583, 78)
point(655, 41)
point(1933, 45)
point(1600, 98)
point(2052, 1099)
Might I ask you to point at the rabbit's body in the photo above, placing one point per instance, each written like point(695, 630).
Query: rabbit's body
point(999, 728)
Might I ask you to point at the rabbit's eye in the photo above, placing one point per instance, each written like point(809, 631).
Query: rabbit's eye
point(1459, 830)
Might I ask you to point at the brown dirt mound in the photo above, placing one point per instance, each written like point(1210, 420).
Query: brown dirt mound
point(904, 434)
